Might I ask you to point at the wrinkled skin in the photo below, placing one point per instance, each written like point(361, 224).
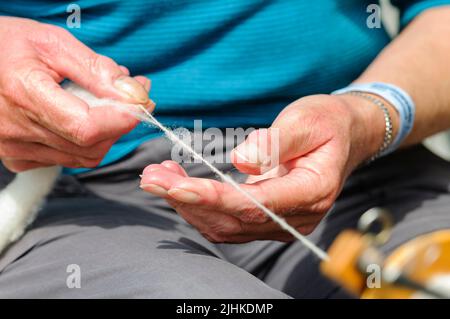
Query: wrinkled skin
point(321, 140)
point(42, 125)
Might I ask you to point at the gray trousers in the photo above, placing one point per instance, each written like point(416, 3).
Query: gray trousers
point(125, 243)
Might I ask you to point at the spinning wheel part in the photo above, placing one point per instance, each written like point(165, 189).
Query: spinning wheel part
point(419, 268)
point(373, 217)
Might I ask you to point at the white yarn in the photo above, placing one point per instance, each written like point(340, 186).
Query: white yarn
point(20, 200)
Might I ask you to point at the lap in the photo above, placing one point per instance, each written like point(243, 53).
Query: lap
point(121, 251)
point(135, 247)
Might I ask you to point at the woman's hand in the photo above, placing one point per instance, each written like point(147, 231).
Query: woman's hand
point(319, 141)
point(43, 125)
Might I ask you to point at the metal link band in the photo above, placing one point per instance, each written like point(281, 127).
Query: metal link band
point(388, 133)
point(400, 101)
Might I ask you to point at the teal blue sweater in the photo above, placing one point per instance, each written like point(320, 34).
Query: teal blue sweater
point(230, 63)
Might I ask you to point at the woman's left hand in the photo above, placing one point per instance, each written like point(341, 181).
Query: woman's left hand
point(319, 141)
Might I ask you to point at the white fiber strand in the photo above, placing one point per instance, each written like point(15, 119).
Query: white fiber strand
point(20, 201)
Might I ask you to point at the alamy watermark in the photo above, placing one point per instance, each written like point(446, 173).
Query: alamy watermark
point(73, 21)
point(215, 145)
point(373, 279)
point(73, 280)
point(373, 21)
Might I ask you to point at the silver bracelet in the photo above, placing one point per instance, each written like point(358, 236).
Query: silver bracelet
point(388, 133)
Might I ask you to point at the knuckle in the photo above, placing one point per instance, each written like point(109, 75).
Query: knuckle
point(125, 126)
point(14, 82)
point(54, 32)
point(330, 197)
point(85, 134)
point(32, 77)
point(328, 203)
point(322, 207)
point(329, 187)
point(292, 210)
point(10, 84)
point(98, 64)
point(292, 118)
point(252, 214)
point(49, 41)
point(97, 151)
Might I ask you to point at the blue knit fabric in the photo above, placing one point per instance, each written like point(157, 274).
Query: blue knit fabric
point(233, 63)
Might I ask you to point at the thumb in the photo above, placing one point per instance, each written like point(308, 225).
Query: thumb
point(289, 137)
point(98, 74)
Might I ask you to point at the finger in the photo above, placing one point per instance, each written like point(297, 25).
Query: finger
point(96, 73)
point(21, 166)
point(124, 69)
point(157, 179)
point(174, 167)
point(13, 151)
point(19, 128)
point(144, 81)
point(216, 196)
point(278, 171)
point(213, 225)
point(68, 116)
point(38, 134)
point(253, 155)
point(94, 152)
point(293, 134)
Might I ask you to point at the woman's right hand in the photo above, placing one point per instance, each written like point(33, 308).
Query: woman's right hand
point(41, 123)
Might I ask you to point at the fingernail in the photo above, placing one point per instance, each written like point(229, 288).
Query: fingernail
point(184, 195)
point(150, 169)
point(148, 83)
point(249, 153)
point(150, 106)
point(130, 88)
point(154, 189)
